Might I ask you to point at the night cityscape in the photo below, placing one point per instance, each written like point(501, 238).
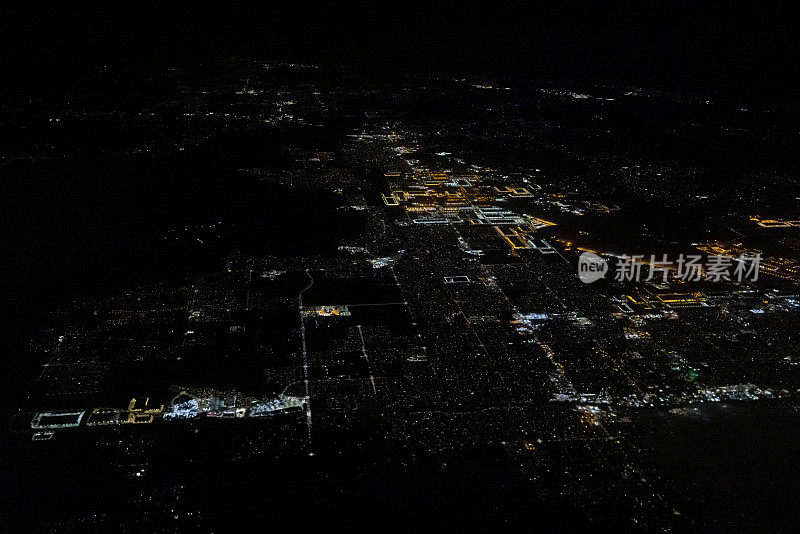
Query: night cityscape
point(444, 268)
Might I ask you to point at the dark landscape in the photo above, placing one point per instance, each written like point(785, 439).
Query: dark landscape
point(274, 269)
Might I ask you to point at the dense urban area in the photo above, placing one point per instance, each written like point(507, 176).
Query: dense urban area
point(320, 295)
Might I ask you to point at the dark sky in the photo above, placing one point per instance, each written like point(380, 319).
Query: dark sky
point(695, 43)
